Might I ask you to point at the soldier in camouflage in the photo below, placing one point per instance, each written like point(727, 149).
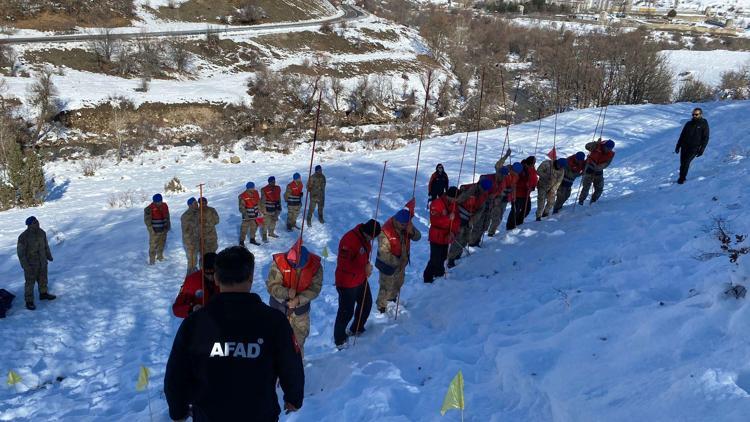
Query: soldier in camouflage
point(190, 236)
point(316, 188)
point(33, 254)
point(295, 278)
point(550, 176)
point(270, 206)
point(249, 201)
point(394, 247)
point(156, 218)
point(210, 220)
point(293, 199)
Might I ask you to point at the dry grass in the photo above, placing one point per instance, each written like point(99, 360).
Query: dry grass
point(316, 41)
point(239, 57)
point(212, 10)
point(62, 22)
point(388, 35)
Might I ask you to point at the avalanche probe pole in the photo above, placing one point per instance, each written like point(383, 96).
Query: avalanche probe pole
point(200, 218)
point(367, 280)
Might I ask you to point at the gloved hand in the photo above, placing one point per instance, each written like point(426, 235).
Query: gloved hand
point(677, 149)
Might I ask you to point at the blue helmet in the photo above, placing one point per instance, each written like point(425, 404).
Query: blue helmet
point(402, 216)
point(31, 220)
point(296, 176)
point(271, 179)
point(250, 185)
point(191, 201)
point(157, 198)
point(517, 167)
point(561, 162)
point(610, 145)
point(505, 171)
point(580, 155)
point(485, 184)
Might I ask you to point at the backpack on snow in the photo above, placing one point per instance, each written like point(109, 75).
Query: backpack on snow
point(6, 299)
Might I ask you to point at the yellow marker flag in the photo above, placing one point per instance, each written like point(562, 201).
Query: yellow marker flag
point(143, 376)
point(454, 398)
point(13, 377)
point(325, 252)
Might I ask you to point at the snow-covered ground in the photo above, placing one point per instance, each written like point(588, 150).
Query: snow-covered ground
point(601, 313)
point(696, 5)
point(706, 66)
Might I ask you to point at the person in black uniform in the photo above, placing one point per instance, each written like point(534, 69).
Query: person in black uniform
point(227, 356)
point(692, 142)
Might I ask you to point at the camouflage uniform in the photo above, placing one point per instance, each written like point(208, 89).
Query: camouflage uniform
point(33, 253)
point(496, 206)
point(299, 318)
point(249, 220)
point(565, 189)
point(271, 214)
point(549, 181)
point(390, 285)
point(464, 235)
point(316, 188)
point(210, 237)
point(190, 237)
point(157, 234)
point(293, 205)
point(593, 174)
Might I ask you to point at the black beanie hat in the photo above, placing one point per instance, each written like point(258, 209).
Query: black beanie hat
point(452, 192)
point(370, 228)
point(209, 261)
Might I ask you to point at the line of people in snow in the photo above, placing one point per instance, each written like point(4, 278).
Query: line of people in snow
point(236, 338)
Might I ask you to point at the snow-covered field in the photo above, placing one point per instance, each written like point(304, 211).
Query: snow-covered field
point(696, 5)
point(706, 66)
point(601, 313)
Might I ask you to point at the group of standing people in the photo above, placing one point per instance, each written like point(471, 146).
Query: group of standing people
point(227, 358)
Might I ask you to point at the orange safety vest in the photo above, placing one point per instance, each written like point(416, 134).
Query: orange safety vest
point(273, 198)
point(159, 216)
point(291, 279)
point(390, 233)
point(295, 196)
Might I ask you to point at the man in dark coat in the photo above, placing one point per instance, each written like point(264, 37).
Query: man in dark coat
point(438, 183)
point(692, 142)
point(33, 253)
point(228, 355)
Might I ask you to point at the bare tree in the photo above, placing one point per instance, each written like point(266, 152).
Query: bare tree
point(336, 92)
point(249, 13)
point(179, 53)
point(43, 97)
point(694, 91)
point(105, 46)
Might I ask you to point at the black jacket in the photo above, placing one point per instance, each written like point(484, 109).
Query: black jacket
point(694, 136)
point(240, 384)
point(438, 185)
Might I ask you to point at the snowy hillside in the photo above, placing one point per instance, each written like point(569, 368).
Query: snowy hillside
point(698, 5)
point(603, 313)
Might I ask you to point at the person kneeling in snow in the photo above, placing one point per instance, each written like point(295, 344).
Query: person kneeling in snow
point(228, 355)
point(294, 280)
point(197, 290)
point(394, 247)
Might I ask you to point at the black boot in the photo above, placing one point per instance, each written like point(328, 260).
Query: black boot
point(254, 242)
point(47, 296)
point(242, 243)
point(30, 306)
point(451, 263)
point(539, 219)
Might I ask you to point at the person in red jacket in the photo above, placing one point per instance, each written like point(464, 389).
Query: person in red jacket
point(197, 286)
point(526, 184)
point(352, 270)
point(445, 224)
point(504, 194)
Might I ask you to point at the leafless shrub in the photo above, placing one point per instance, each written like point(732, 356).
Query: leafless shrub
point(43, 97)
point(735, 85)
point(179, 54)
point(694, 91)
point(731, 244)
point(105, 46)
point(249, 13)
point(127, 199)
point(90, 166)
point(174, 186)
point(326, 27)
